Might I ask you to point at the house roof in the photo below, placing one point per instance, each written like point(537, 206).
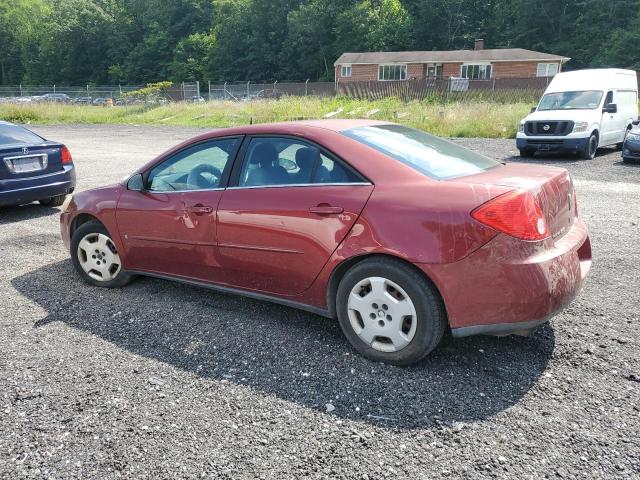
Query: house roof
point(488, 55)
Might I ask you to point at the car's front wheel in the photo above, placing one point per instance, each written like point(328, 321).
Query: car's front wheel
point(591, 148)
point(390, 312)
point(96, 258)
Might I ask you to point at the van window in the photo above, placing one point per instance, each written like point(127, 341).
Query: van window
point(626, 98)
point(585, 100)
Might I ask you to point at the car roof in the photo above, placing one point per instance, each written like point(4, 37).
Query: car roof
point(295, 127)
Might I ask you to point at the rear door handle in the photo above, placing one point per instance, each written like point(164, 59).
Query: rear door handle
point(199, 209)
point(326, 210)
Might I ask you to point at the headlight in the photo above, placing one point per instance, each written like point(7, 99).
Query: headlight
point(633, 136)
point(521, 127)
point(580, 127)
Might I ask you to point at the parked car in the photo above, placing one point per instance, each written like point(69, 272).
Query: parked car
point(631, 147)
point(100, 101)
point(397, 233)
point(33, 169)
point(82, 100)
point(197, 99)
point(581, 111)
point(55, 97)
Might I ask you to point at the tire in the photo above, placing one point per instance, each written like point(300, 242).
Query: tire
point(100, 265)
point(526, 153)
point(415, 327)
point(590, 150)
point(53, 201)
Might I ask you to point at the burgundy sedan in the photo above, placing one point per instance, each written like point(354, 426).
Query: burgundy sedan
point(397, 233)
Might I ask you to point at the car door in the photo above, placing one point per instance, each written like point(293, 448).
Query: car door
point(609, 125)
point(169, 227)
point(291, 206)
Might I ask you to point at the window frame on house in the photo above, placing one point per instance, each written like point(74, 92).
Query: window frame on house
point(344, 68)
point(546, 66)
point(402, 66)
point(479, 65)
point(437, 70)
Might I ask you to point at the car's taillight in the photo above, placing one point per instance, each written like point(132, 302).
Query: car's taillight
point(515, 213)
point(65, 154)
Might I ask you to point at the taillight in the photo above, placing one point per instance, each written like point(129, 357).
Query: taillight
point(66, 156)
point(515, 213)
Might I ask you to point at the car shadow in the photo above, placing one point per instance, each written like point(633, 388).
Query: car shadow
point(25, 212)
point(557, 159)
point(296, 356)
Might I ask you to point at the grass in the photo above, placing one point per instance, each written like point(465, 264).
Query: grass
point(456, 119)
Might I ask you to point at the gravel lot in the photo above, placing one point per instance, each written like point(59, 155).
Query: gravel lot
point(161, 380)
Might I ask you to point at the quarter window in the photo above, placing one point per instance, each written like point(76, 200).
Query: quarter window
point(195, 168)
point(345, 71)
point(476, 71)
point(547, 69)
point(276, 161)
point(392, 72)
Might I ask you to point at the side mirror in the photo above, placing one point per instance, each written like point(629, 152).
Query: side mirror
point(637, 122)
point(610, 108)
point(136, 183)
point(533, 109)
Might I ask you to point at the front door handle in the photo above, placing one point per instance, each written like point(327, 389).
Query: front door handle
point(324, 209)
point(199, 209)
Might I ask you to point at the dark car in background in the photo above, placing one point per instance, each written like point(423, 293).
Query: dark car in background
point(33, 169)
point(631, 146)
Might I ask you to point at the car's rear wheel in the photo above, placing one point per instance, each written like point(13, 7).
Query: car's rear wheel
point(96, 257)
point(53, 201)
point(390, 312)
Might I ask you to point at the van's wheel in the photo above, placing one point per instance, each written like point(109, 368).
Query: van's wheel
point(95, 257)
point(590, 149)
point(389, 312)
point(56, 201)
point(526, 153)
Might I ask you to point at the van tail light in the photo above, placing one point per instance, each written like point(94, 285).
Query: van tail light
point(516, 213)
point(65, 154)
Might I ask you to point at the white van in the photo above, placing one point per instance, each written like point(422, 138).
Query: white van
point(581, 111)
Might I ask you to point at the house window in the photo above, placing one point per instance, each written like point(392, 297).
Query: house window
point(434, 70)
point(476, 71)
point(547, 69)
point(345, 71)
point(392, 72)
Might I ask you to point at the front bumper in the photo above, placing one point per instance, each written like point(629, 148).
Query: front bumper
point(18, 191)
point(631, 149)
point(510, 286)
point(552, 145)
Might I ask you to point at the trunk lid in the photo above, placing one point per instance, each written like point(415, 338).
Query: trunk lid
point(551, 186)
point(18, 161)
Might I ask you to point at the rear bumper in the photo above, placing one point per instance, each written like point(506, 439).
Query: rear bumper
point(18, 191)
point(561, 145)
point(509, 286)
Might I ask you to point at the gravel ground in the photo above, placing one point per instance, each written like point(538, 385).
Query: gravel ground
point(161, 380)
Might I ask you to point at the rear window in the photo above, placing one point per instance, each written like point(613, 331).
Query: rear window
point(430, 155)
point(12, 134)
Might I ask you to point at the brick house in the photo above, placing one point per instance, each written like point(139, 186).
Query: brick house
point(476, 64)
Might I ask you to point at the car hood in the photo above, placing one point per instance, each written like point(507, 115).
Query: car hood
point(546, 115)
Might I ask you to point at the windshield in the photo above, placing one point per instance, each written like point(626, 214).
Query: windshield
point(586, 100)
point(430, 155)
point(12, 134)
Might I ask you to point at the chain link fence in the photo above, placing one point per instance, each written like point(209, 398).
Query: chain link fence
point(438, 90)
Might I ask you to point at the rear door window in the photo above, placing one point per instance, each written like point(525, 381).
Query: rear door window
point(14, 134)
